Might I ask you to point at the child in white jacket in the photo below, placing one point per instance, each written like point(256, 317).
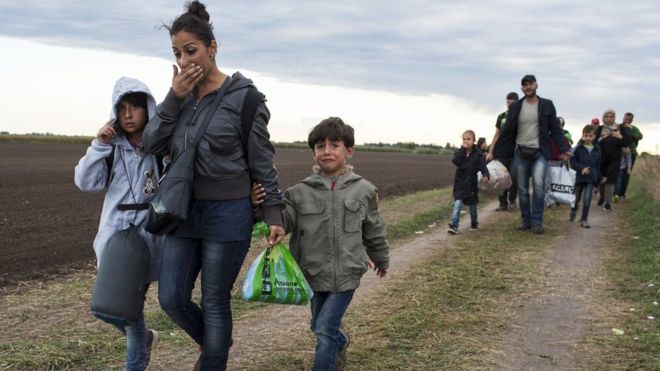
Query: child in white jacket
point(116, 163)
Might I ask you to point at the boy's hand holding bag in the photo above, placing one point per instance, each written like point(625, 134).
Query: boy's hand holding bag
point(275, 277)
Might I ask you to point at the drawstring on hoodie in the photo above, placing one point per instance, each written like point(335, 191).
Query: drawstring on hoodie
point(130, 186)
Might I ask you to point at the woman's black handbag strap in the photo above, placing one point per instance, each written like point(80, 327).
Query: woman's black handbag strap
point(211, 112)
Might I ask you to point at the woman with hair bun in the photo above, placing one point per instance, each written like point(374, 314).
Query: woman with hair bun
point(216, 236)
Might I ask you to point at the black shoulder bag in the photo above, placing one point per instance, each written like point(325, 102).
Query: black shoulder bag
point(173, 200)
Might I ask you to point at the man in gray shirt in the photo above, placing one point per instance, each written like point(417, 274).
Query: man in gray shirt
point(531, 125)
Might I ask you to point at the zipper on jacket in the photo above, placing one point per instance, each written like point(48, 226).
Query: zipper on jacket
point(334, 232)
point(190, 123)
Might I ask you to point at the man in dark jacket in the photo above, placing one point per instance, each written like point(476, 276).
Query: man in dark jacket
point(508, 197)
point(531, 124)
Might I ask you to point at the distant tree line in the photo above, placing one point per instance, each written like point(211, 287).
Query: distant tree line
point(401, 147)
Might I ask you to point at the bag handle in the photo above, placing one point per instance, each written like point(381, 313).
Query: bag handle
point(211, 112)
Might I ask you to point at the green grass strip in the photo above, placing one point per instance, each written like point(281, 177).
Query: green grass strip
point(635, 274)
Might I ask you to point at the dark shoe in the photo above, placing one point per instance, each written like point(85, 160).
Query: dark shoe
point(502, 208)
point(538, 229)
point(571, 218)
point(474, 226)
point(512, 205)
point(340, 363)
point(452, 229)
point(607, 208)
point(600, 202)
point(524, 227)
point(152, 340)
point(585, 224)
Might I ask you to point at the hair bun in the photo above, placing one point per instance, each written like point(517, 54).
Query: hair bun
point(199, 10)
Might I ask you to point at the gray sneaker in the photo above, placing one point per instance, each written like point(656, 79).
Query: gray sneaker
point(585, 224)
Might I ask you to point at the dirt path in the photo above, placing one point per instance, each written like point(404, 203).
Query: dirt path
point(547, 327)
point(550, 325)
point(266, 331)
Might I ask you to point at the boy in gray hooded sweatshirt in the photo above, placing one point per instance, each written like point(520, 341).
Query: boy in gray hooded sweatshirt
point(115, 162)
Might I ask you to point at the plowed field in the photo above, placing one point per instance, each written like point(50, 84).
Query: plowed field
point(47, 224)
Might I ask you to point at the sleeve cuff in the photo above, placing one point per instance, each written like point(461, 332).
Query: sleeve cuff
point(272, 215)
point(171, 105)
point(103, 148)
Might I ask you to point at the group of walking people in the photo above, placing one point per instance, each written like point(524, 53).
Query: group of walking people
point(528, 136)
point(337, 233)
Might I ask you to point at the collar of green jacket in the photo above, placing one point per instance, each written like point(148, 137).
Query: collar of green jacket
point(318, 181)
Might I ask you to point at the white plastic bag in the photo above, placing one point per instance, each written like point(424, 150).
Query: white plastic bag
point(500, 179)
point(560, 185)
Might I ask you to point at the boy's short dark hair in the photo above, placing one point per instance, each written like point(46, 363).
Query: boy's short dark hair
point(137, 99)
point(589, 129)
point(629, 114)
point(332, 128)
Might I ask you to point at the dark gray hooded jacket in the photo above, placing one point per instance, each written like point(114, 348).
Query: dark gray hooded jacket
point(224, 170)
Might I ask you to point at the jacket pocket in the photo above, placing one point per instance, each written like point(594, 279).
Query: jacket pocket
point(312, 251)
point(353, 216)
point(311, 208)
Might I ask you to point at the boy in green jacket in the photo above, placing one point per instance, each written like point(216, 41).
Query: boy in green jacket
point(336, 228)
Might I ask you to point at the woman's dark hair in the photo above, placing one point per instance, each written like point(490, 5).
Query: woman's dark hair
point(196, 21)
point(137, 99)
point(481, 141)
point(332, 128)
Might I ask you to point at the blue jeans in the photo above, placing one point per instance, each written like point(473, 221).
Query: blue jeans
point(508, 197)
point(220, 262)
point(626, 179)
point(531, 212)
point(328, 309)
point(588, 190)
point(456, 214)
point(136, 341)
point(621, 181)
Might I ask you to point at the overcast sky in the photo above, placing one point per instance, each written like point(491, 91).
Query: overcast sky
point(414, 70)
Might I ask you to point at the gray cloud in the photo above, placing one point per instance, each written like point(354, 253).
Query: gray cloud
point(587, 55)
